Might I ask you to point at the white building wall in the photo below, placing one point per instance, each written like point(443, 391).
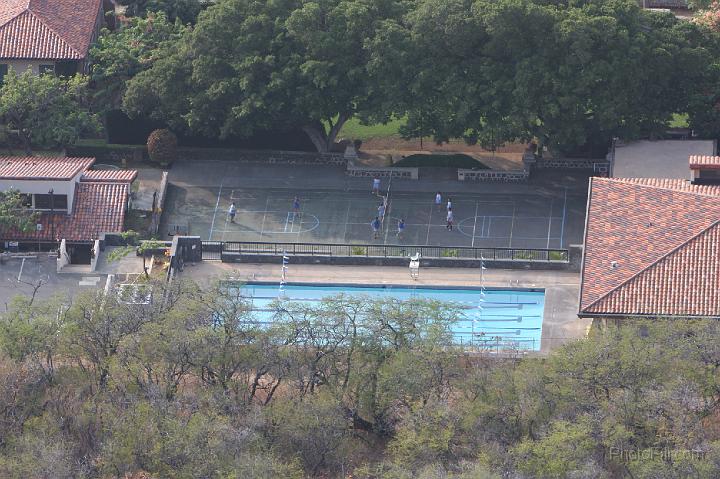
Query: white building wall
point(21, 66)
point(41, 187)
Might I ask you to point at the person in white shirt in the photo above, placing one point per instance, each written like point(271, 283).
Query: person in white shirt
point(231, 212)
point(449, 219)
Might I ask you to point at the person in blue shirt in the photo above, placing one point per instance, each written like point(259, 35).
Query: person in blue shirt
point(375, 224)
point(401, 228)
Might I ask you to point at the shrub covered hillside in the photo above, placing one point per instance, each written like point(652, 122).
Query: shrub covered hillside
point(192, 386)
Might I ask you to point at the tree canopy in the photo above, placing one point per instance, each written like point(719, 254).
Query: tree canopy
point(119, 55)
point(196, 384)
point(564, 75)
point(45, 110)
point(14, 213)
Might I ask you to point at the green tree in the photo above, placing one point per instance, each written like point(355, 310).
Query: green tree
point(119, 55)
point(162, 146)
point(247, 66)
point(46, 110)
point(14, 213)
point(186, 11)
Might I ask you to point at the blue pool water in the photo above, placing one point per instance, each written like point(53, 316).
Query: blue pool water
point(500, 319)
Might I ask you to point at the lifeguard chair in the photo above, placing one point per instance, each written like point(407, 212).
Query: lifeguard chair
point(415, 266)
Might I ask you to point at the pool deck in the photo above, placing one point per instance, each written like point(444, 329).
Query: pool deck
point(560, 321)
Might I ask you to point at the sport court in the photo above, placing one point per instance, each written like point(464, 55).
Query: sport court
point(551, 219)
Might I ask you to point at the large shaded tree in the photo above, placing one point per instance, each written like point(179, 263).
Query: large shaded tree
point(119, 55)
point(186, 11)
point(46, 110)
point(251, 65)
point(565, 75)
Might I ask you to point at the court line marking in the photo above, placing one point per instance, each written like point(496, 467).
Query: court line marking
point(477, 207)
point(217, 204)
point(287, 219)
point(262, 227)
point(562, 225)
point(552, 202)
point(512, 224)
point(427, 238)
point(347, 221)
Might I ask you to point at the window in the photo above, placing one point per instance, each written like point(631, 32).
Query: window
point(26, 200)
point(66, 68)
point(42, 202)
point(43, 69)
point(3, 72)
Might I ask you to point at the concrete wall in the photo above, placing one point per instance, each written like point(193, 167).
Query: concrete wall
point(20, 66)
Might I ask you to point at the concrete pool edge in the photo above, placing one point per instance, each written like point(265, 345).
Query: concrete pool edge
point(393, 285)
point(560, 321)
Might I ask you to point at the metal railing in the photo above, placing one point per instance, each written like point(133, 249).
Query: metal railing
point(387, 251)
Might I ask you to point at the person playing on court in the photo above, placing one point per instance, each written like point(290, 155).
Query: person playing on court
point(381, 211)
point(376, 186)
point(449, 204)
point(449, 219)
point(438, 200)
point(232, 211)
point(401, 228)
point(296, 205)
point(375, 224)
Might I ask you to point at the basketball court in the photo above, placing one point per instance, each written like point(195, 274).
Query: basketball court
point(547, 219)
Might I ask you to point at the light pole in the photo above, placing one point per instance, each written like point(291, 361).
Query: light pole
point(52, 214)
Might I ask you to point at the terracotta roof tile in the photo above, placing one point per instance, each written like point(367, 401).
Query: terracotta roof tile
point(99, 208)
point(47, 29)
point(42, 168)
point(111, 176)
point(704, 162)
point(635, 228)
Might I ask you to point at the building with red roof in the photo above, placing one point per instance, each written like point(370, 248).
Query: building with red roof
point(652, 249)
point(48, 35)
point(76, 204)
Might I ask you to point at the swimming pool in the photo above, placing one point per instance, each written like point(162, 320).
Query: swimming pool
point(501, 319)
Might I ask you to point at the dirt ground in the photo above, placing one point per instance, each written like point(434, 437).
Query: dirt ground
point(385, 151)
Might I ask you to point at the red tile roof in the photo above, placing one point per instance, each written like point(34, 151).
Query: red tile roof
point(99, 208)
point(110, 176)
point(42, 168)
point(651, 248)
point(704, 162)
point(47, 29)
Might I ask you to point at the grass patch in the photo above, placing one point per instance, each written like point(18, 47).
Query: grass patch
point(679, 120)
point(448, 161)
point(557, 256)
point(353, 130)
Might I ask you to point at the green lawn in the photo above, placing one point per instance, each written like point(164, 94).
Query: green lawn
point(353, 130)
point(679, 120)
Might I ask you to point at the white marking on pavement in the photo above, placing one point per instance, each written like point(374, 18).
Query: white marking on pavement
point(477, 206)
point(21, 269)
point(562, 225)
point(552, 201)
point(217, 204)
